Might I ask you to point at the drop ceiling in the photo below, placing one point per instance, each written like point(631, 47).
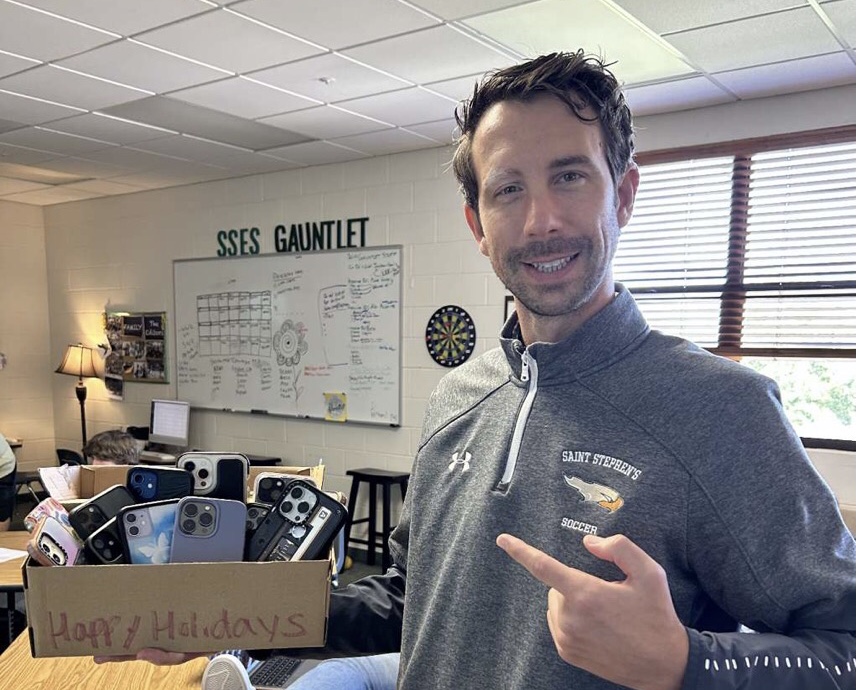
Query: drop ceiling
point(105, 97)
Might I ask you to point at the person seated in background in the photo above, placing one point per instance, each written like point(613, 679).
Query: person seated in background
point(8, 466)
point(113, 447)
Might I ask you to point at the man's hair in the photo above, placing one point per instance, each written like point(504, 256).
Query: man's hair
point(114, 446)
point(580, 81)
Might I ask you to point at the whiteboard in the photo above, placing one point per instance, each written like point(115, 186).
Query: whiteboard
point(315, 334)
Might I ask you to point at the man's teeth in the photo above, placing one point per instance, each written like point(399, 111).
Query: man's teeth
point(552, 266)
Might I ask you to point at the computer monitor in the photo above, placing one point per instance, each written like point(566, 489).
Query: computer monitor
point(170, 421)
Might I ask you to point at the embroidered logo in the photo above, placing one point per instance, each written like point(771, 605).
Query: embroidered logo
point(463, 461)
point(606, 497)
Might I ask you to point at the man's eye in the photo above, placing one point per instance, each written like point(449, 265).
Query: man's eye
point(508, 189)
point(569, 177)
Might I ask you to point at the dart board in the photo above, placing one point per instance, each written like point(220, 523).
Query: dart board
point(450, 336)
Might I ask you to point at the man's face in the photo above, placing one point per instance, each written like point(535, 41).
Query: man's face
point(549, 215)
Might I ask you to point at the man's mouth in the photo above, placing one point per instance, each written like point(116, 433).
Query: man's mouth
point(552, 266)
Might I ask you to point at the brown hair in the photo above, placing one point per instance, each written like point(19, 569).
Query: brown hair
point(115, 446)
point(578, 80)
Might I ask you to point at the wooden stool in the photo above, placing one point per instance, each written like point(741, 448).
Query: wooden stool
point(374, 477)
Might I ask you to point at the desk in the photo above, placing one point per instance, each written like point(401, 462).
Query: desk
point(21, 671)
point(11, 578)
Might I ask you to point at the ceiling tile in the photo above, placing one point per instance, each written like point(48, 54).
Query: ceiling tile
point(324, 122)
point(442, 131)
point(97, 126)
point(10, 185)
point(805, 74)
point(83, 168)
point(843, 15)
point(9, 125)
point(125, 17)
point(336, 24)
point(40, 174)
point(241, 97)
point(32, 111)
point(69, 88)
point(343, 78)
point(202, 122)
point(18, 26)
point(106, 187)
point(455, 9)
point(386, 142)
point(20, 155)
point(141, 66)
point(44, 140)
point(209, 153)
point(682, 94)
point(316, 153)
point(430, 55)
point(457, 89)
point(129, 159)
point(665, 17)
point(252, 46)
point(405, 107)
point(9, 64)
point(554, 25)
point(787, 35)
point(51, 195)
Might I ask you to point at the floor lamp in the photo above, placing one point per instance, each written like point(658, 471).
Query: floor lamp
point(78, 362)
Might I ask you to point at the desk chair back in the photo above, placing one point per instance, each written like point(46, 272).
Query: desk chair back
point(66, 456)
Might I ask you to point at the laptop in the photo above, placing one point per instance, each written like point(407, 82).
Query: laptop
point(279, 672)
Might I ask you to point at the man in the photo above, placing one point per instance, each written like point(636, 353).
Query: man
point(654, 494)
point(113, 447)
point(8, 467)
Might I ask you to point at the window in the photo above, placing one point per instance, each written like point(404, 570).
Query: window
point(749, 250)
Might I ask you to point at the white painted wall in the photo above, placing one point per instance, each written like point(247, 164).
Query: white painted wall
point(117, 252)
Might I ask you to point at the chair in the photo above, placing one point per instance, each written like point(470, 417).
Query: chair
point(67, 456)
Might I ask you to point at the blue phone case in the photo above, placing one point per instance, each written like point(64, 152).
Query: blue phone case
point(146, 530)
point(208, 530)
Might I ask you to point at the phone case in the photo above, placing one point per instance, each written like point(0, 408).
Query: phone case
point(54, 543)
point(49, 506)
point(104, 545)
point(300, 526)
point(208, 530)
point(256, 512)
point(94, 513)
point(146, 531)
point(217, 475)
point(268, 486)
point(158, 483)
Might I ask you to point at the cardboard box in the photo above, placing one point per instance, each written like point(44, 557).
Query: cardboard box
point(73, 484)
point(113, 610)
point(184, 607)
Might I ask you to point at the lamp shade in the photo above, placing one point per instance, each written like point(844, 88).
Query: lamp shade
point(78, 362)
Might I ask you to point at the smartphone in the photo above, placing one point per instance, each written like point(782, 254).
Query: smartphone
point(300, 526)
point(49, 506)
point(94, 513)
point(268, 486)
point(146, 531)
point(54, 543)
point(208, 530)
point(104, 545)
point(256, 512)
point(158, 483)
point(217, 475)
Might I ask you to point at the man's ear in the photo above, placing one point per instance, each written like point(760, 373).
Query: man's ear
point(626, 194)
point(473, 221)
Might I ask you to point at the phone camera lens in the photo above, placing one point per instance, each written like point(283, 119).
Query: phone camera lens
point(266, 483)
point(206, 519)
point(138, 479)
point(131, 517)
point(188, 526)
point(203, 474)
point(303, 507)
point(191, 509)
point(190, 466)
point(55, 557)
point(134, 531)
point(45, 548)
point(287, 507)
point(98, 543)
point(297, 492)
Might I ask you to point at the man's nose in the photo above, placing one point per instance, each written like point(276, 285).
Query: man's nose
point(543, 214)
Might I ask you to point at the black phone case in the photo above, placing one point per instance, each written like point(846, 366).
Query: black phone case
point(231, 479)
point(256, 512)
point(148, 484)
point(270, 489)
point(104, 545)
point(297, 527)
point(94, 513)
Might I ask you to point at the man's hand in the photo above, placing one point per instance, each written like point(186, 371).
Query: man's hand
point(626, 632)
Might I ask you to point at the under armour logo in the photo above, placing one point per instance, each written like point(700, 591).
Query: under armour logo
point(456, 460)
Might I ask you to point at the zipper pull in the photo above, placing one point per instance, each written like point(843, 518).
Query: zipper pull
point(524, 370)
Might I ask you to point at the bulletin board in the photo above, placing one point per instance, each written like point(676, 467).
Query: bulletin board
point(314, 334)
point(137, 346)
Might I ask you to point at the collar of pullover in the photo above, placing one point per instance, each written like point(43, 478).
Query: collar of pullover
point(603, 339)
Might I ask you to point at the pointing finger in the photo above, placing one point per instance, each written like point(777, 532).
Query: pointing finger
point(618, 549)
point(542, 567)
